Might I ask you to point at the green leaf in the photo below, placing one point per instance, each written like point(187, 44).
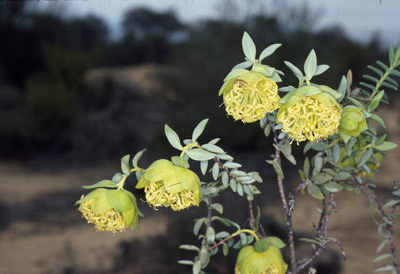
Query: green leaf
point(204, 256)
point(275, 241)
point(297, 72)
point(239, 189)
point(336, 153)
point(267, 130)
point(385, 269)
point(225, 179)
point(137, 157)
point(203, 167)
point(198, 154)
point(375, 101)
point(243, 238)
point(217, 207)
point(197, 225)
point(310, 65)
point(333, 187)
point(180, 161)
point(306, 168)
point(382, 245)
point(232, 165)
point(389, 85)
point(213, 148)
point(371, 78)
point(315, 192)
point(125, 165)
point(365, 157)
point(321, 69)
point(103, 183)
point(261, 245)
point(343, 175)
point(356, 102)
point(249, 48)
point(189, 247)
point(215, 171)
point(225, 249)
point(379, 120)
point(196, 267)
point(117, 177)
point(233, 184)
point(210, 234)
point(318, 163)
point(172, 137)
point(386, 146)
point(382, 65)
point(198, 130)
point(376, 70)
point(322, 178)
point(234, 73)
point(243, 65)
point(383, 257)
point(278, 168)
point(342, 86)
point(185, 262)
point(391, 55)
point(269, 51)
point(366, 85)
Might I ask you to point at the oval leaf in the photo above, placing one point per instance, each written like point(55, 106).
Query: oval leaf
point(172, 137)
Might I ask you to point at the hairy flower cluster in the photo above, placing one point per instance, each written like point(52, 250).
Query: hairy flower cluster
point(250, 96)
point(110, 220)
point(109, 209)
point(269, 261)
point(168, 185)
point(310, 117)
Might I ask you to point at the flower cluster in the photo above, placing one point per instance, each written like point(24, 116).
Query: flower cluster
point(168, 185)
point(249, 96)
point(268, 260)
point(109, 210)
point(307, 113)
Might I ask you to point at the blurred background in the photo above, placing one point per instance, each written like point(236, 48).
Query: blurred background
point(83, 83)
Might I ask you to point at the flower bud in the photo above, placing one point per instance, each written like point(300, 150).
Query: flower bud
point(168, 185)
point(308, 113)
point(249, 96)
point(268, 261)
point(109, 209)
point(353, 122)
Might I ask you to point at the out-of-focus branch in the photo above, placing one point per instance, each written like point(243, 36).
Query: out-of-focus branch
point(388, 226)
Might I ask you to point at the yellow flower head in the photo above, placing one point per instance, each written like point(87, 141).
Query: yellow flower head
point(249, 96)
point(269, 261)
point(109, 210)
point(308, 113)
point(168, 185)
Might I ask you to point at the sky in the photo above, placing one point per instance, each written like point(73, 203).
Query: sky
point(361, 19)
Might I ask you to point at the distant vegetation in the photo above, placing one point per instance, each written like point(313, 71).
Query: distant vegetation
point(46, 103)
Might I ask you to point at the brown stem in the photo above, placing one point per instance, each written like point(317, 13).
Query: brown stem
point(251, 213)
point(322, 234)
point(287, 206)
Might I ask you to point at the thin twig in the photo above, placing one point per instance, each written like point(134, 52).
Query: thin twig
point(287, 206)
point(251, 213)
point(209, 219)
point(322, 234)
